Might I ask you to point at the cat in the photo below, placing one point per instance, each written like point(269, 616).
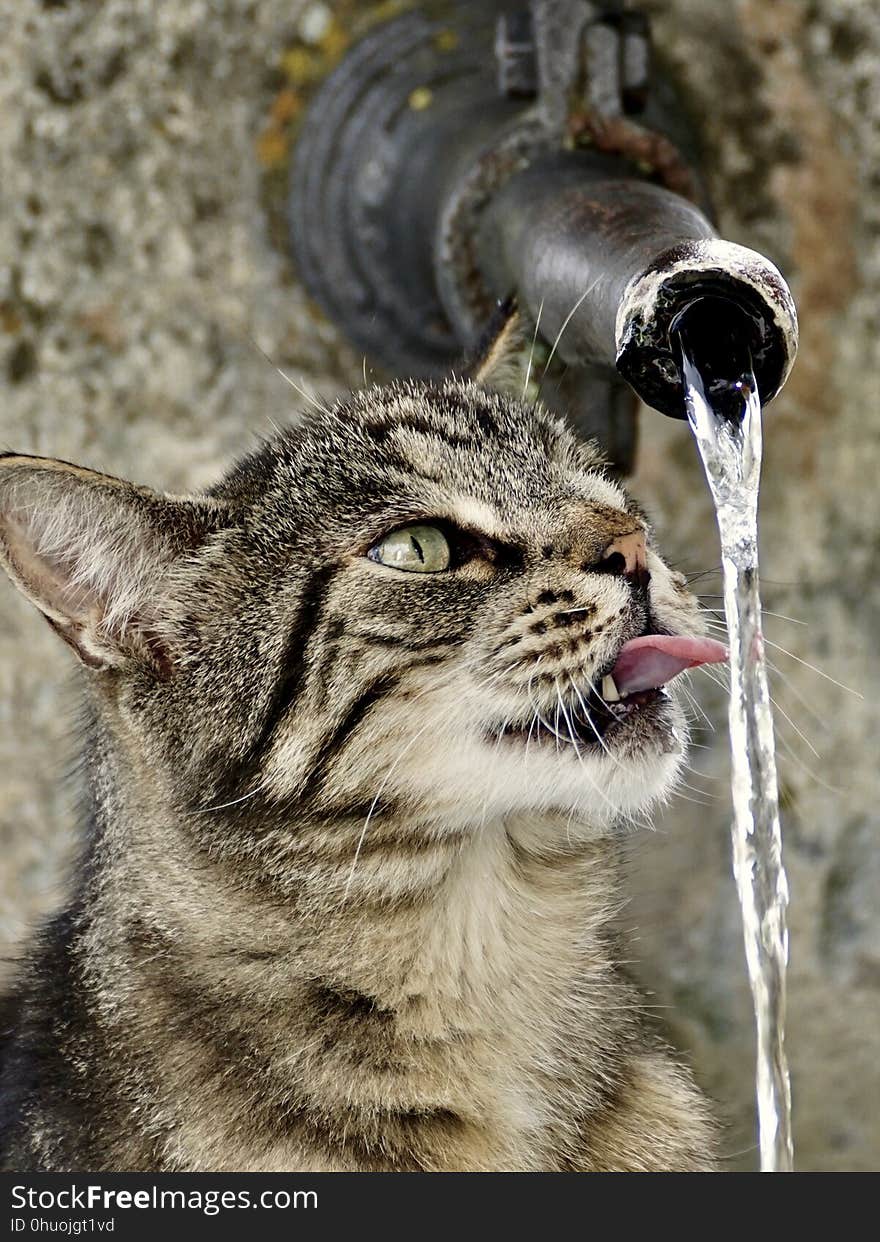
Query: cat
point(364, 725)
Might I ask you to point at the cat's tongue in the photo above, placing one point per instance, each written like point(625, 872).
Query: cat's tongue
point(650, 661)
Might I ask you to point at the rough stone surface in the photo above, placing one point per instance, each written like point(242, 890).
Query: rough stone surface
point(788, 97)
point(139, 283)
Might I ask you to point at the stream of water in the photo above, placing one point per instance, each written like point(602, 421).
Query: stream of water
point(731, 451)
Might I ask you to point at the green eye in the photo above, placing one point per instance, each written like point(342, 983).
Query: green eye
point(417, 549)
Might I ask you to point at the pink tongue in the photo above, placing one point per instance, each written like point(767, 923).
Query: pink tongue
point(648, 662)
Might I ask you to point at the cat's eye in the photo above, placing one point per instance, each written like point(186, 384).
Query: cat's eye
point(416, 549)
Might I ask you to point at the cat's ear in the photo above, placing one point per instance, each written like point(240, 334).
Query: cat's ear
point(93, 554)
point(500, 360)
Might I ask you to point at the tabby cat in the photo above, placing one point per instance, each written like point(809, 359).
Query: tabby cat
point(363, 724)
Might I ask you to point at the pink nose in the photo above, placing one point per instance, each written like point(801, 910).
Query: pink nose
point(627, 557)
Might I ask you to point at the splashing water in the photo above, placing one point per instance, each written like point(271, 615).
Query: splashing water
point(731, 451)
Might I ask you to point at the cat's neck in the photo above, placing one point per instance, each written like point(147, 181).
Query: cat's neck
point(465, 918)
point(437, 921)
point(453, 997)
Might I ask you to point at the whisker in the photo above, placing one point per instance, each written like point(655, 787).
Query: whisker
point(590, 722)
point(801, 735)
point(375, 803)
point(813, 669)
point(697, 707)
point(791, 756)
point(534, 721)
point(781, 616)
point(532, 351)
point(568, 318)
point(792, 689)
point(718, 613)
point(310, 398)
point(716, 678)
point(589, 779)
point(703, 776)
point(221, 806)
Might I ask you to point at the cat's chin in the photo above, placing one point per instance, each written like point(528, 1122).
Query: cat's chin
point(598, 787)
point(541, 767)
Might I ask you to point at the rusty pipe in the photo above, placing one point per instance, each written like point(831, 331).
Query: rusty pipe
point(611, 263)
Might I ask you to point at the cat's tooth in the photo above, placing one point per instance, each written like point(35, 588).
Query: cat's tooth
point(609, 690)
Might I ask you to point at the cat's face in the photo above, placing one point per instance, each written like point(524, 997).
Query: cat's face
point(457, 652)
point(413, 600)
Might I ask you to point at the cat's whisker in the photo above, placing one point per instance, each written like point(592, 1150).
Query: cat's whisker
point(531, 728)
point(571, 731)
point(705, 797)
point(703, 573)
point(813, 669)
point(806, 741)
point(573, 735)
point(780, 616)
point(222, 806)
point(723, 685)
point(614, 758)
point(717, 673)
point(630, 817)
point(534, 721)
point(776, 671)
point(568, 318)
point(790, 755)
point(310, 398)
point(589, 719)
point(549, 727)
point(375, 803)
point(743, 1151)
point(525, 387)
point(701, 776)
point(784, 651)
point(560, 706)
point(697, 707)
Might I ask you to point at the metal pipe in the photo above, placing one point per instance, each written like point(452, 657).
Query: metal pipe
point(611, 262)
point(453, 158)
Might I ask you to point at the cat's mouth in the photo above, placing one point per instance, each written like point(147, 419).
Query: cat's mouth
point(584, 721)
point(632, 689)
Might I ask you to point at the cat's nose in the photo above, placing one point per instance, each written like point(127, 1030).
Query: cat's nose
point(626, 557)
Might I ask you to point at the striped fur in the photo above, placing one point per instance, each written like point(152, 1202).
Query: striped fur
point(338, 909)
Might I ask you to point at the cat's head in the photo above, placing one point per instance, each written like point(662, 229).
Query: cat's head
point(413, 599)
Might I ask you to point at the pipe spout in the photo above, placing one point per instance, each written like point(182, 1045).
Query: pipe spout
point(747, 307)
point(612, 264)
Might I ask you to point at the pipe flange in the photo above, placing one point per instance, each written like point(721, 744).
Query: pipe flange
point(365, 186)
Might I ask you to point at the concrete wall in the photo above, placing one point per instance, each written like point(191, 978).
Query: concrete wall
point(140, 278)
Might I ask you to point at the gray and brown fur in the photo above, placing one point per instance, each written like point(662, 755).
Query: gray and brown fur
point(337, 910)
